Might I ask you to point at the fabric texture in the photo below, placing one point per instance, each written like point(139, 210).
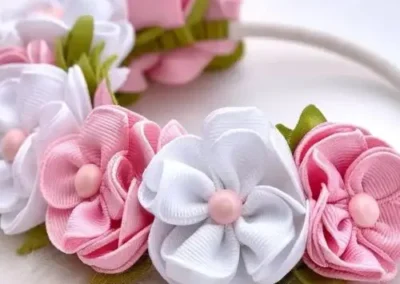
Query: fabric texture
point(338, 164)
point(44, 102)
point(182, 65)
point(240, 151)
point(37, 51)
point(108, 230)
point(110, 26)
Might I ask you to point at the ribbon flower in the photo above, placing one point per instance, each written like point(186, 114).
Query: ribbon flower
point(90, 180)
point(181, 65)
point(38, 103)
point(110, 27)
point(352, 180)
point(229, 207)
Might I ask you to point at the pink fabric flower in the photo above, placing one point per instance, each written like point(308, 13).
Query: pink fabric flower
point(352, 180)
point(102, 222)
point(36, 51)
point(182, 65)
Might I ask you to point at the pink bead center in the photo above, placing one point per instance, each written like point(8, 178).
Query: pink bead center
point(88, 180)
point(11, 143)
point(225, 207)
point(364, 210)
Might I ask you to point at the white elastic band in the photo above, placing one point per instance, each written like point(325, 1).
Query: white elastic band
point(240, 30)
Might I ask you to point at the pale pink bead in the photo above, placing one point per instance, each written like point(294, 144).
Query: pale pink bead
point(364, 210)
point(88, 180)
point(225, 207)
point(11, 143)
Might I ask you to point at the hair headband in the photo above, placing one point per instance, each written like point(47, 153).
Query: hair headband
point(244, 202)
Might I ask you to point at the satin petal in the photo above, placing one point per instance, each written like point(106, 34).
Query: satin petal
point(204, 255)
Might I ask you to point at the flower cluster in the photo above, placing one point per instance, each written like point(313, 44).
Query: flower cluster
point(244, 202)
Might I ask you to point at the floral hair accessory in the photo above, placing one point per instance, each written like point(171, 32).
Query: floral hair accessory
point(97, 44)
point(180, 39)
point(351, 179)
point(90, 180)
point(229, 207)
point(38, 104)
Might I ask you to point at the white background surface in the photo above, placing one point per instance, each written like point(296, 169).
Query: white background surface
point(279, 78)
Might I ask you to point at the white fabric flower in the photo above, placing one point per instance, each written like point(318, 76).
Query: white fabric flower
point(229, 206)
point(111, 25)
point(38, 103)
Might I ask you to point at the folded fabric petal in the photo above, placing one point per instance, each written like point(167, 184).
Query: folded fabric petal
point(351, 179)
point(158, 13)
point(101, 219)
point(117, 34)
point(211, 201)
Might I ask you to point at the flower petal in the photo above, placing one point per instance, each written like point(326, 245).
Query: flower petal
point(56, 120)
point(103, 257)
point(240, 159)
point(224, 119)
point(105, 133)
point(12, 54)
point(117, 179)
point(39, 52)
point(39, 85)
point(172, 130)
point(183, 194)
point(126, 41)
point(272, 224)
point(118, 77)
point(324, 131)
point(145, 137)
point(44, 28)
point(56, 224)
point(186, 150)
point(158, 233)
point(31, 215)
point(180, 66)
point(316, 173)
point(377, 173)
point(25, 167)
point(76, 94)
point(142, 219)
point(136, 81)
point(88, 220)
point(9, 116)
point(224, 10)
point(281, 159)
point(62, 160)
point(73, 9)
point(9, 198)
point(156, 13)
point(206, 254)
point(358, 263)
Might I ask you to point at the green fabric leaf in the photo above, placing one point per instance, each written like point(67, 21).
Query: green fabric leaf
point(285, 131)
point(79, 39)
point(304, 275)
point(147, 35)
point(226, 61)
point(126, 99)
point(105, 67)
point(89, 74)
point(35, 239)
point(199, 9)
point(59, 55)
point(309, 118)
point(95, 55)
point(138, 272)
